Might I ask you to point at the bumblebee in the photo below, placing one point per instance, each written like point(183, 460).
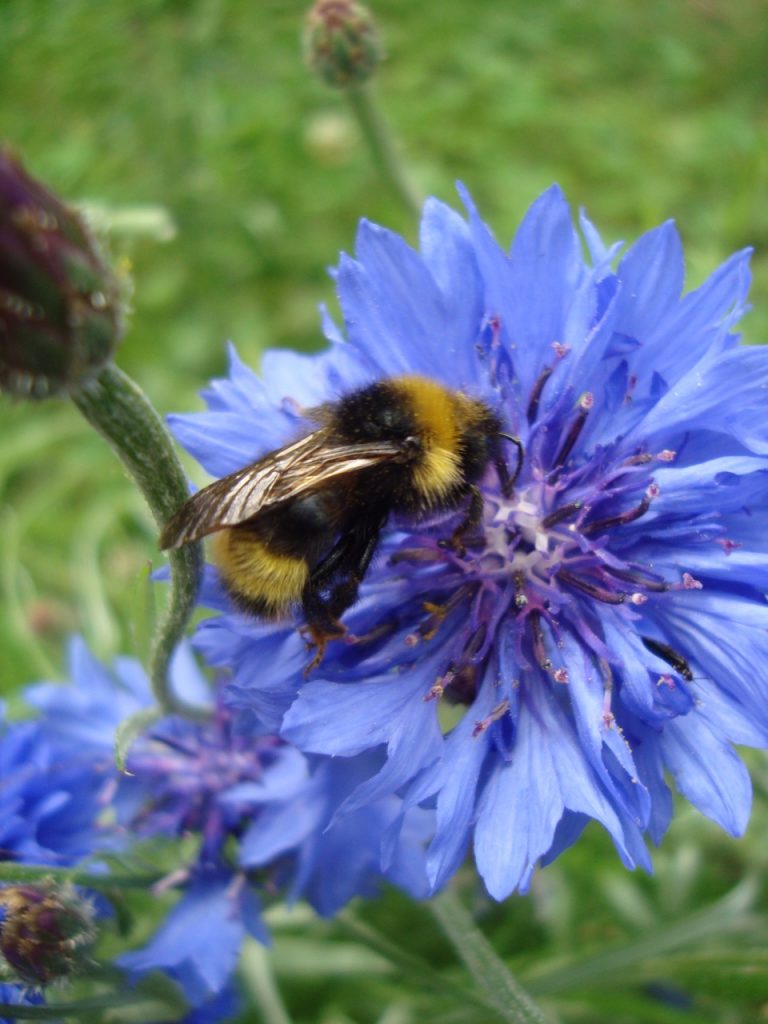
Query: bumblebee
point(300, 526)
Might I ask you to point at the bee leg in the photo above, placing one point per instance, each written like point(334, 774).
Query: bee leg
point(344, 594)
point(473, 516)
point(345, 567)
point(319, 641)
point(321, 626)
point(507, 481)
point(350, 556)
point(330, 565)
point(322, 623)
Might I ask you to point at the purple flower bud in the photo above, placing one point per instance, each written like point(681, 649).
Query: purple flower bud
point(341, 42)
point(44, 929)
point(60, 309)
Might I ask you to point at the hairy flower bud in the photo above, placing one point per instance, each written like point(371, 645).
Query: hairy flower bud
point(341, 42)
point(44, 929)
point(60, 310)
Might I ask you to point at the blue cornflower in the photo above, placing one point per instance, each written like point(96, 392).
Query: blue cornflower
point(18, 995)
point(51, 800)
point(278, 809)
point(607, 625)
point(263, 815)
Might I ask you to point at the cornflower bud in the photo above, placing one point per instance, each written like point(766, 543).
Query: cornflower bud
point(60, 309)
point(341, 42)
point(44, 930)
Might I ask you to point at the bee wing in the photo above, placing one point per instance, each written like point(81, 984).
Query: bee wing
point(300, 468)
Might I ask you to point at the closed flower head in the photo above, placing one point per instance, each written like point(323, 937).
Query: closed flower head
point(60, 309)
point(341, 43)
point(45, 931)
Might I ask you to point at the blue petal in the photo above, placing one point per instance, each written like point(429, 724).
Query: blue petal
point(531, 290)
point(89, 711)
point(250, 416)
point(253, 648)
point(524, 800)
point(546, 271)
point(222, 442)
point(707, 771)
point(310, 380)
point(728, 638)
point(726, 392)
point(700, 322)
point(199, 942)
point(224, 1007)
point(18, 995)
point(414, 743)
point(651, 275)
point(639, 671)
point(710, 519)
point(346, 863)
point(346, 719)
point(650, 766)
point(277, 830)
point(457, 777)
point(395, 313)
point(331, 330)
point(285, 778)
point(448, 252)
point(596, 732)
point(724, 484)
point(251, 914)
point(589, 332)
point(237, 391)
point(602, 255)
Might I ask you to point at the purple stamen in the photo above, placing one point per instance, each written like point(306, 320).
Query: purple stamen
point(637, 579)
point(561, 514)
point(536, 393)
point(598, 593)
point(624, 517)
point(538, 641)
point(577, 426)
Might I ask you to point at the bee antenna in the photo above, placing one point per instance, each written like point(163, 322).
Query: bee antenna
point(520, 457)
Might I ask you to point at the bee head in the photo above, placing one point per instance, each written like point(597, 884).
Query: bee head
point(412, 447)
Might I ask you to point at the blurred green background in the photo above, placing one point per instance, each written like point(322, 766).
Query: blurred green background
point(231, 180)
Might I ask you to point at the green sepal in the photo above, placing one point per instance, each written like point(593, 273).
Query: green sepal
point(129, 731)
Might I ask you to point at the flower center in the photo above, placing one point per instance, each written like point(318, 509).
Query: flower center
point(186, 768)
point(543, 558)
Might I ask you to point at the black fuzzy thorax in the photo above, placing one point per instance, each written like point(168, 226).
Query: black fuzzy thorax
point(378, 412)
point(383, 411)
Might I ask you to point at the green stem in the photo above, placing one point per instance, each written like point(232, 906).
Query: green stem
point(12, 873)
point(77, 1011)
point(256, 971)
point(413, 967)
point(382, 146)
point(121, 412)
point(491, 975)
